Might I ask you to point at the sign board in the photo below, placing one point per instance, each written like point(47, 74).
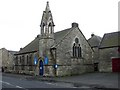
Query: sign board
point(35, 60)
point(46, 60)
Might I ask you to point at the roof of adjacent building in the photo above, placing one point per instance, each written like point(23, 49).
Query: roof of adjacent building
point(31, 47)
point(10, 51)
point(110, 40)
point(94, 41)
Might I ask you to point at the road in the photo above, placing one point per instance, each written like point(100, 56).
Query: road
point(91, 81)
point(20, 82)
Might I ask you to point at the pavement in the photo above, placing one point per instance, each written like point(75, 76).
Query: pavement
point(89, 80)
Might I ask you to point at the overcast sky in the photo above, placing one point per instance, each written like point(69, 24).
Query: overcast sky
point(20, 19)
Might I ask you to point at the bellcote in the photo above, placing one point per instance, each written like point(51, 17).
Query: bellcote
point(47, 24)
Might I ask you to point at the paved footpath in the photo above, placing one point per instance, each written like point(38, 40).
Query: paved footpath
point(100, 80)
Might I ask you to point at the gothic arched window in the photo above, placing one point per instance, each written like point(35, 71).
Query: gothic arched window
point(50, 28)
point(76, 49)
point(79, 51)
point(43, 27)
point(30, 62)
point(23, 63)
point(76, 40)
point(27, 60)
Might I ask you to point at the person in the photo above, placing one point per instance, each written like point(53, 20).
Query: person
point(2, 69)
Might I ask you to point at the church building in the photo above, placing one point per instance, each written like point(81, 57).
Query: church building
point(63, 53)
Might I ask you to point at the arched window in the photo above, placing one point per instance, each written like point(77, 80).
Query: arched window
point(43, 28)
point(79, 51)
point(23, 63)
point(76, 49)
point(27, 60)
point(50, 28)
point(76, 40)
point(30, 62)
point(20, 59)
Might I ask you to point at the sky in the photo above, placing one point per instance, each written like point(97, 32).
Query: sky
point(20, 19)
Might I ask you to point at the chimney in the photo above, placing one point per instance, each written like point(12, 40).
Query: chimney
point(74, 24)
point(37, 36)
point(92, 34)
point(21, 48)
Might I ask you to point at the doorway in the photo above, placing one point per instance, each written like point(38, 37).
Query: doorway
point(41, 68)
point(95, 66)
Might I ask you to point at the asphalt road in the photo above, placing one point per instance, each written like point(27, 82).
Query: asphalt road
point(20, 82)
point(91, 81)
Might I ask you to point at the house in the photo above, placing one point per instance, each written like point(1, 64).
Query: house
point(7, 59)
point(94, 41)
point(66, 52)
point(109, 52)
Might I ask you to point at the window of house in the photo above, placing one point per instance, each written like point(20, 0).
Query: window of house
point(76, 49)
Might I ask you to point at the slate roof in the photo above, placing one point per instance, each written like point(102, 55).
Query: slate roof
point(60, 35)
point(110, 40)
point(34, 45)
point(94, 41)
point(13, 52)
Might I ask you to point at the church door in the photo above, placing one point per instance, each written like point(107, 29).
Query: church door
point(41, 69)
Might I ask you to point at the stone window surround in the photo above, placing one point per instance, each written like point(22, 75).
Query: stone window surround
point(76, 49)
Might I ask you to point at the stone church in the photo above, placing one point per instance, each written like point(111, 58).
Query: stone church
point(63, 53)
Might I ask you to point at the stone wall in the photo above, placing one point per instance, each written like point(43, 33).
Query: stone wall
point(96, 55)
point(68, 64)
point(105, 58)
point(45, 44)
point(5, 55)
point(10, 61)
point(25, 65)
point(6, 59)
